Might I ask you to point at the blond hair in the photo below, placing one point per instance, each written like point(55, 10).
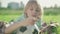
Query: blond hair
point(30, 3)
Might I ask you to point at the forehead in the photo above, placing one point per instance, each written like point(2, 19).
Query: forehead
point(33, 5)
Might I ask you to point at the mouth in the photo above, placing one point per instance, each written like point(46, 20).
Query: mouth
point(38, 17)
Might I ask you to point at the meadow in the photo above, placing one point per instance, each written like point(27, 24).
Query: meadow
point(49, 15)
point(47, 19)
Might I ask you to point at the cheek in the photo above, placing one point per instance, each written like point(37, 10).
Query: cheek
point(39, 13)
point(29, 12)
point(32, 13)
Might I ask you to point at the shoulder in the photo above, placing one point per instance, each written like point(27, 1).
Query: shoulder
point(20, 18)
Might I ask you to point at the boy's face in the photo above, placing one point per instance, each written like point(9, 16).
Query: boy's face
point(33, 11)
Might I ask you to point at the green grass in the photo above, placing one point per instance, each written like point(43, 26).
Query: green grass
point(49, 18)
point(7, 15)
point(10, 12)
point(51, 11)
point(7, 18)
point(55, 18)
point(45, 18)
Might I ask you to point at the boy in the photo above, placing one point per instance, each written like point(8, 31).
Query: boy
point(32, 15)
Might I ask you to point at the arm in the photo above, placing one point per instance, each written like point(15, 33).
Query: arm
point(13, 27)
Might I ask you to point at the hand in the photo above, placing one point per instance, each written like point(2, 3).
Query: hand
point(31, 20)
point(37, 16)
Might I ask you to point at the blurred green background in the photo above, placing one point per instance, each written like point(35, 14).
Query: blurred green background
point(7, 14)
point(50, 14)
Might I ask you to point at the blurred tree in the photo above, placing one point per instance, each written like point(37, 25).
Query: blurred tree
point(21, 5)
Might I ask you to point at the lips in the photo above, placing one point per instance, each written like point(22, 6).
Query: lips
point(36, 16)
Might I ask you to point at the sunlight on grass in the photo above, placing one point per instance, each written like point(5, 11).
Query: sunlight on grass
point(51, 18)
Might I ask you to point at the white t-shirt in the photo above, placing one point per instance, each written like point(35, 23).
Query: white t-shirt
point(29, 28)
